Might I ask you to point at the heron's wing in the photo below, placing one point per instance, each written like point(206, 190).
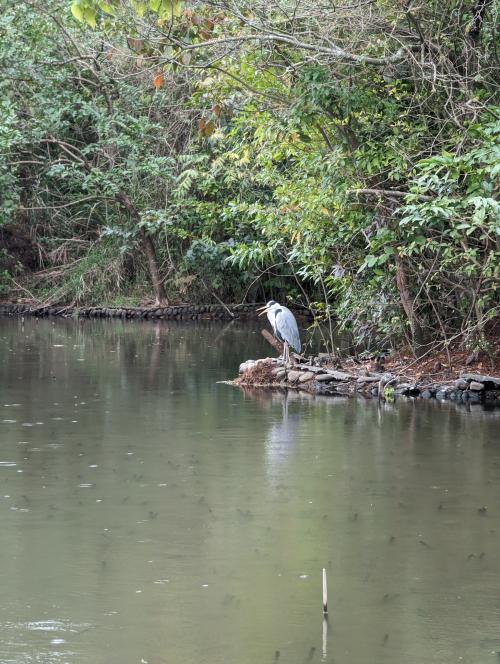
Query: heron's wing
point(271, 317)
point(287, 327)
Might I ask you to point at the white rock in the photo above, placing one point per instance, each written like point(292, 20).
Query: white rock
point(246, 366)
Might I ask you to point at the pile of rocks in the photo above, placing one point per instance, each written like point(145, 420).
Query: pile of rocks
point(473, 388)
point(271, 372)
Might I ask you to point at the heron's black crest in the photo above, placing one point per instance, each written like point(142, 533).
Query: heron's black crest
point(271, 303)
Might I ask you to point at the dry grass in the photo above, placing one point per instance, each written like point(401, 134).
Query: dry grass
point(260, 374)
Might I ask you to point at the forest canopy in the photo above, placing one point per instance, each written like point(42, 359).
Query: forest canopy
point(344, 156)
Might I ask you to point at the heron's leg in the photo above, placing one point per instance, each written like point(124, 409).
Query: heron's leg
point(286, 353)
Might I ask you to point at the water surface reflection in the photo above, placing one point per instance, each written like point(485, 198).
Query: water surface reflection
point(150, 514)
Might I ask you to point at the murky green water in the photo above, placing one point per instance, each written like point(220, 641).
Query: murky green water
point(148, 514)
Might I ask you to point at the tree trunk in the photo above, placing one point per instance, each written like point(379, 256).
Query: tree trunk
point(149, 250)
point(407, 302)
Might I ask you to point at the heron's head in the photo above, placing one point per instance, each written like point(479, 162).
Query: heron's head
point(267, 307)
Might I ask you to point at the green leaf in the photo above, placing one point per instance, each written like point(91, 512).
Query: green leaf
point(107, 8)
point(77, 11)
point(89, 16)
point(177, 8)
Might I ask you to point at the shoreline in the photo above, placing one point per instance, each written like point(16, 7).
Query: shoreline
point(170, 312)
point(465, 386)
point(441, 375)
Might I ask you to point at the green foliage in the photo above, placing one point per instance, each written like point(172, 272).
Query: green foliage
point(255, 170)
point(389, 394)
point(5, 283)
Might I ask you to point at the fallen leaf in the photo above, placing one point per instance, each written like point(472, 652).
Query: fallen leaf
point(158, 81)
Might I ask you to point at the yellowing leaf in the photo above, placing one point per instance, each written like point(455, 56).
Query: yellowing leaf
point(166, 8)
point(107, 7)
point(89, 16)
point(177, 8)
point(209, 128)
point(77, 11)
point(139, 7)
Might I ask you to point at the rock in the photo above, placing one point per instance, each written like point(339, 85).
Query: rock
point(280, 374)
point(374, 391)
point(246, 366)
point(306, 376)
point(311, 367)
point(293, 376)
point(442, 394)
point(461, 384)
point(325, 378)
point(492, 382)
point(475, 386)
point(426, 394)
point(474, 397)
point(339, 375)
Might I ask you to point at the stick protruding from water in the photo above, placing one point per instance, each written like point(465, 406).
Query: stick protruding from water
point(325, 594)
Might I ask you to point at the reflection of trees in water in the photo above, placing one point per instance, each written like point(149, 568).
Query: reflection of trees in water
point(169, 349)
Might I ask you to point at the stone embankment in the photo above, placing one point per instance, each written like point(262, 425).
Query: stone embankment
point(177, 312)
point(315, 379)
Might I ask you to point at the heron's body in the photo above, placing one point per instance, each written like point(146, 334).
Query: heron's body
point(284, 326)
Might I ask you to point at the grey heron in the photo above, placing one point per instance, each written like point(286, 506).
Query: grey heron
point(284, 326)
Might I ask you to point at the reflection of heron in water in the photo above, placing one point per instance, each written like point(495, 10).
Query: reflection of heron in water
point(282, 433)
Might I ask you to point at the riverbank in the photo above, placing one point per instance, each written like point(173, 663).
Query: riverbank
point(460, 378)
point(174, 312)
point(454, 375)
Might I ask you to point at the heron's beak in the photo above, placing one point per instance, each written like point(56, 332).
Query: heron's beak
point(262, 311)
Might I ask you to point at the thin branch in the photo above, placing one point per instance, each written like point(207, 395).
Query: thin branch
point(334, 52)
point(58, 207)
point(387, 193)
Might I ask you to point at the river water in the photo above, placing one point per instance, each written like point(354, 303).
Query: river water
point(151, 515)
